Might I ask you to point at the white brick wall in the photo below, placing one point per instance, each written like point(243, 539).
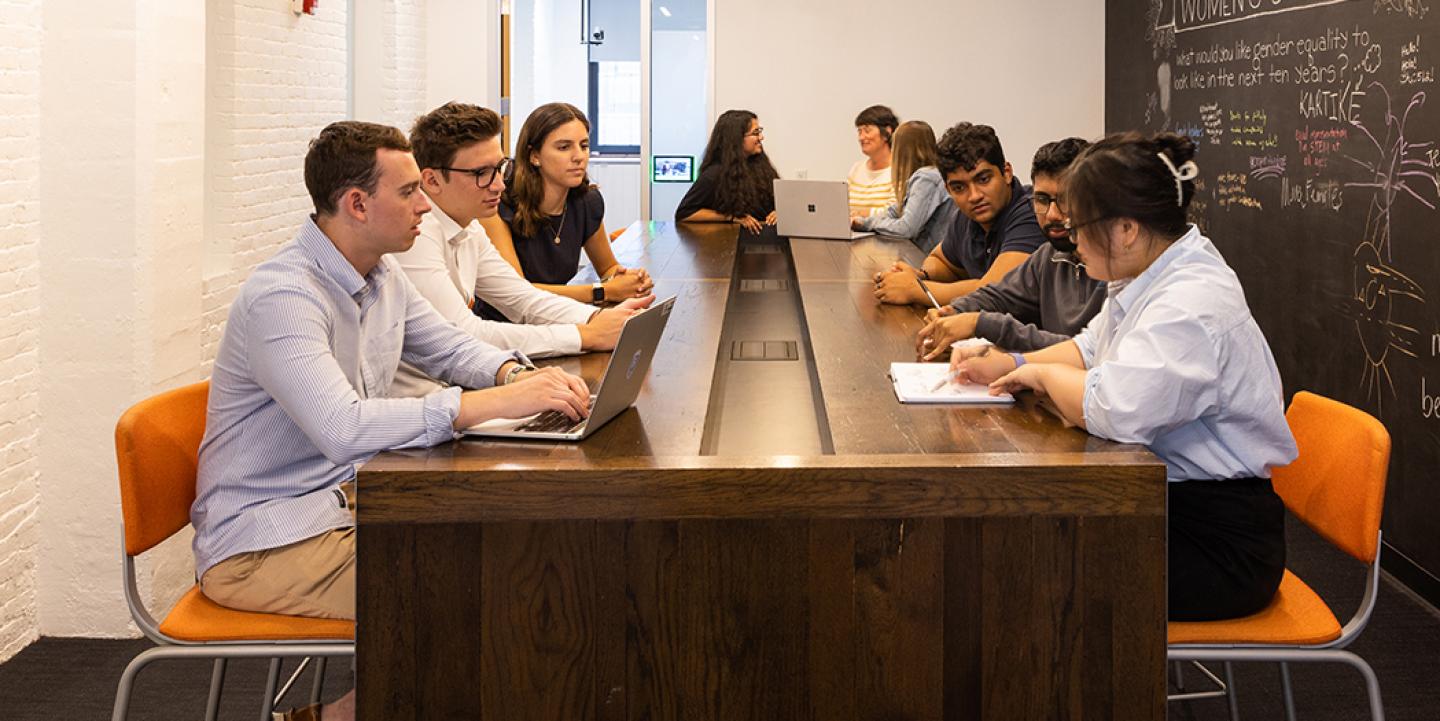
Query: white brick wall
point(403, 69)
point(209, 111)
point(19, 315)
point(274, 81)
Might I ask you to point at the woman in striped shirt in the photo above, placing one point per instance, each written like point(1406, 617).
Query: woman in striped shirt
point(871, 187)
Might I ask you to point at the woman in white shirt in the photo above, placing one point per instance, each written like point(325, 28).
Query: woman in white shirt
point(871, 187)
point(1173, 361)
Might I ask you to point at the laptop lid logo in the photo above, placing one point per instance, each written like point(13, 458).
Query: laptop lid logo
point(634, 361)
point(810, 207)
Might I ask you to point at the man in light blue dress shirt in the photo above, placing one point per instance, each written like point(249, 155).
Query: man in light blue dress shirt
point(298, 397)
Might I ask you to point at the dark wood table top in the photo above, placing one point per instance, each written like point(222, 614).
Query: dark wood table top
point(858, 260)
point(890, 459)
point(855, 339)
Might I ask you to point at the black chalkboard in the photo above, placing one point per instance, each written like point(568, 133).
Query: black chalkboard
point(1318, 123)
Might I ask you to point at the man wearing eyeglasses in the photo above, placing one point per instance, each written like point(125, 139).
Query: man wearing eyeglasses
point(1048, 299)
point(299, 391)
point(452, 263)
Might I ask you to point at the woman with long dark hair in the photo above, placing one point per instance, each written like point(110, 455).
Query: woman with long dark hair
point(736, 183)
point(1174, 361)
point(550, 212)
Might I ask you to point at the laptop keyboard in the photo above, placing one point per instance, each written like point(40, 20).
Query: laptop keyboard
point(553, 422)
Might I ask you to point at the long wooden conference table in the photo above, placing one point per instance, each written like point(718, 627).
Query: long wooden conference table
point(907, 562)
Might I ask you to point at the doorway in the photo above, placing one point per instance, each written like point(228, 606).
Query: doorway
point(622, 62)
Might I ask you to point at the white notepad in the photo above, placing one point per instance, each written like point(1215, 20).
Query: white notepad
point(913, 382)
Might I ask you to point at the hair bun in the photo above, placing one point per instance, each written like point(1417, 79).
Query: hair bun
point(1180, 148)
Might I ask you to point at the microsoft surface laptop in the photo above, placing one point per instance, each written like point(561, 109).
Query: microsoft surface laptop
point(619, 386)
point(814, 209)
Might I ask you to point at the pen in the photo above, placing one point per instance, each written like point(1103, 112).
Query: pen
point(928, 294)
point(950, 377)
point(954, 373)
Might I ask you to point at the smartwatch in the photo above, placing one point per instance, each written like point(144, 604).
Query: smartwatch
point(597, 292)
point(1019, 359)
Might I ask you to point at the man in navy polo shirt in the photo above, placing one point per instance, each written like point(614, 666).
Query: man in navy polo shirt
point(993, 234)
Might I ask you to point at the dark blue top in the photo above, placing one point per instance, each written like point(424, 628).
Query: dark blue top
point(968, 246)
point(554, 259)
point(547, 257)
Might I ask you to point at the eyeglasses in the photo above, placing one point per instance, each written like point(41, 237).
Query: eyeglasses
point(1072, 227)
point(755, 133)
point(484, 177)
point(1043, 201)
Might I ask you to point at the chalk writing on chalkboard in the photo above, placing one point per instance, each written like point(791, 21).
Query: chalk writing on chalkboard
point(1413, 8)
point(1353, 145)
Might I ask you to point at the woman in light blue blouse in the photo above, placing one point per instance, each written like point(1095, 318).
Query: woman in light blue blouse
point(922, 211)
point(1173, 361)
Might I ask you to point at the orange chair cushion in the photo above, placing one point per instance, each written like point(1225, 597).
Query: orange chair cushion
point(1337, 484)
point(197, 618)
point(1296, 617)
point(157, 448)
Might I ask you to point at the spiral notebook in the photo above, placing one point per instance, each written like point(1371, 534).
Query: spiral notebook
point(913, 383)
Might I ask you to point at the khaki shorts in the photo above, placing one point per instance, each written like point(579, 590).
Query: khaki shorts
point(314, 577)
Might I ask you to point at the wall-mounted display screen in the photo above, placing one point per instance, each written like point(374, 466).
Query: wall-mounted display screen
point(673, 169)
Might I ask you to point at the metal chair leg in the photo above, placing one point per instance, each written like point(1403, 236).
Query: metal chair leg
point(1287, 692)
point(294, 676)
point(1231, 696)
point(217, 685)
point(319, 685)
point(271, 681)
point(1372, 684)
point(1179, 675)
point(127, 683)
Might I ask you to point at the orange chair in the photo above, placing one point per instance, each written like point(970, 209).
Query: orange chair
point(157, 443)
point(1337, 487)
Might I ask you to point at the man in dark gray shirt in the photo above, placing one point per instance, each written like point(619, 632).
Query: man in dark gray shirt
point(1044, 301)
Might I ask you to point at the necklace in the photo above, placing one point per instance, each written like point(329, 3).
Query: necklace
point(563, 210)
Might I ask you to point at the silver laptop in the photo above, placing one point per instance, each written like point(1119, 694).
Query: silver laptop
point(814, 209)
point(619, 386)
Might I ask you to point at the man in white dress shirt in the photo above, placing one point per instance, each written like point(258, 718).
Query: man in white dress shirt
point(453, 264)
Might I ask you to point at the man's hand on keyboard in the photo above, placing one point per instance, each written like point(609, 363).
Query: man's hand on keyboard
point(544, 389)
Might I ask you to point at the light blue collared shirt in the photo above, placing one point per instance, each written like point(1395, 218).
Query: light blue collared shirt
point(1177, 363)
point(298, 394)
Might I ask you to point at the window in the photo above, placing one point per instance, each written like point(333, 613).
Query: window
point(615, 107)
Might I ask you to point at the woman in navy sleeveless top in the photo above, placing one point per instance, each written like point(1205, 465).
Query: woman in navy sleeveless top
point(550, 212)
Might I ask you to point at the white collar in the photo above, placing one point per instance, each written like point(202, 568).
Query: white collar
point(449, 229)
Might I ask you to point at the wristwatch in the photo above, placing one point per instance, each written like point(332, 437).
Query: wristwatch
point(1019, 359)
point(514, 373)
point(597, 292)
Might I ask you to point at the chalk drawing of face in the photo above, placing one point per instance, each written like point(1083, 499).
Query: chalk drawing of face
point(1384, 298)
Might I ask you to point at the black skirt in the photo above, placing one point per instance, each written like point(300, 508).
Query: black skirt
point(1226, 548)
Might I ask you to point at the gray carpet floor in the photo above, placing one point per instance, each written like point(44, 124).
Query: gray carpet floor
point(76, 678)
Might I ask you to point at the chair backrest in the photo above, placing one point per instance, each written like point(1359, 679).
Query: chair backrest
point(157, 445)
point(1337, 484)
